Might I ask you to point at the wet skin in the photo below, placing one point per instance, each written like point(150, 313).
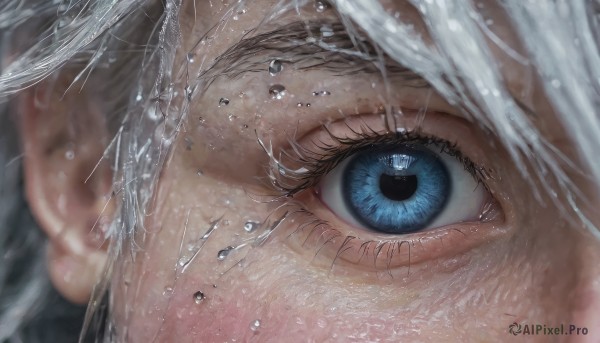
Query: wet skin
point(464, 282)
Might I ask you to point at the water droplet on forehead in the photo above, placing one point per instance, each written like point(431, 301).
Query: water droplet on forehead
point(222, 254)
point(277, 92)
point(321, 6)
point(255, 325)
point(251, 226)
point(321, 93)
point(199, 297)
point(223, 102)
point(275, 67)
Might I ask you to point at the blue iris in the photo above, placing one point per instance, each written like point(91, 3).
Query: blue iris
point(396, 190)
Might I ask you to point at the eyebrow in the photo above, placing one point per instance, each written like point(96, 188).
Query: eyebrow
point(308, 45)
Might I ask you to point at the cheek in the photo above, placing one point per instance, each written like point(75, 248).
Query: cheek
point(274, 293)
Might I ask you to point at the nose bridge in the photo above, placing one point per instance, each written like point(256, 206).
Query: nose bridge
point(584, 306)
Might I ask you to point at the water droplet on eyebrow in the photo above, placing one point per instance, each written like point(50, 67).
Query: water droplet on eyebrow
point(255, 325)
point(326, 31)
point(251, 226)
point(275, 67)
point(277, 92)
point(321, 6)
point(222, 254)
point(199, 297)
point(223, 102)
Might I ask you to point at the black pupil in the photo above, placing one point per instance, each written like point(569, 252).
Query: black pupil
point(398, 188)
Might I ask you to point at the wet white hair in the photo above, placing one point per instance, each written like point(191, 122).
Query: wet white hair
point(560, 41)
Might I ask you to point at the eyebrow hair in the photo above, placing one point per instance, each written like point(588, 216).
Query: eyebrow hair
point(308, 45)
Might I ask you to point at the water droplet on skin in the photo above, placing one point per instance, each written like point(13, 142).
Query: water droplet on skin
point(70, 155)
point(199, 172)
point(190, 57)
point(489, 22)
point(275, 67)
point(188, 143)
point(231, 117)
point(326, 31)
point(555, 83)
point(223, 102)
point(189, 92)
point(251, 226)
point(321, 93)
point(277, 92)
point(299, 104)
point(308, 104)
point(321, 6)
point(168, 291)
point(255, 325)
point(222, 254)
point(199, 297)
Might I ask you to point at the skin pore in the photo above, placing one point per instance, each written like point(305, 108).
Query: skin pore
point(200, 276)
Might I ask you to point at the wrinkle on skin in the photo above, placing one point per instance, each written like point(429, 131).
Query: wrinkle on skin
point(538, 273)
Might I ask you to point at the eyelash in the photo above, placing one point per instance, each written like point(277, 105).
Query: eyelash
point(314, 164)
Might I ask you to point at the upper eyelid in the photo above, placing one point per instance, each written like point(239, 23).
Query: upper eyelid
point(317, 162)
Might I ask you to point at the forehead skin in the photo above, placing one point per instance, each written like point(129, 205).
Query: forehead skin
point(474, 295)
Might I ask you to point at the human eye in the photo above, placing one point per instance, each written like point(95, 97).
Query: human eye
point(386, 198)
point(403, 184)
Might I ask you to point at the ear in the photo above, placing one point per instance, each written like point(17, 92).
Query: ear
point(67, 183)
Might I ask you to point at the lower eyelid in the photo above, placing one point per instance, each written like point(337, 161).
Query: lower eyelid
point(342, 246)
